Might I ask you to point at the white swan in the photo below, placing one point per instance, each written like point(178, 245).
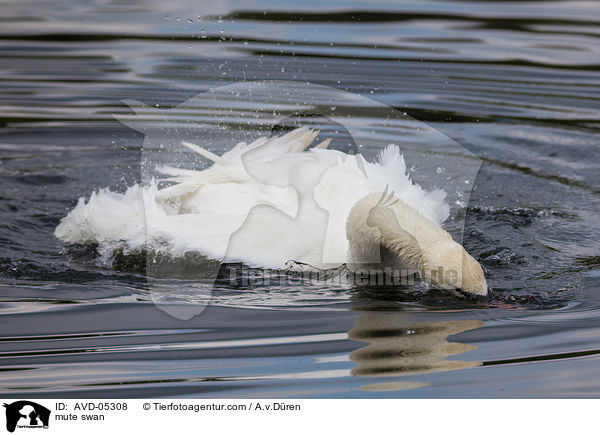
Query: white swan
point(276, 200)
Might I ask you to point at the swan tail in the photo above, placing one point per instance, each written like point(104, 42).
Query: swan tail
point(302, 141)
point(323, 145)
point(205, 153)
point(296, 140)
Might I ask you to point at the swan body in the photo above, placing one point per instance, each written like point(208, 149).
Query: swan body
point(276, 200)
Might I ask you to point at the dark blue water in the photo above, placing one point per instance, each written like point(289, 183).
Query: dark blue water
point(515, 83)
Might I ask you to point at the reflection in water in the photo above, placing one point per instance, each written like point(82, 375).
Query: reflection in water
point(400, 347)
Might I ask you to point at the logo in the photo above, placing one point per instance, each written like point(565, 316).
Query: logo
point(26, 414)
point(266, 204)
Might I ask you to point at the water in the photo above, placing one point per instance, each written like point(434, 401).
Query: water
point(515, 83)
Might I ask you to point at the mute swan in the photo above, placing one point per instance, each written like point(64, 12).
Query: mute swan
point(277, 200)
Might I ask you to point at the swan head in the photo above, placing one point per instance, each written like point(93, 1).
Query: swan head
point(447, 265)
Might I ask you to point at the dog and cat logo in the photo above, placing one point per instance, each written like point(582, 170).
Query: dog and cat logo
point(26, 414)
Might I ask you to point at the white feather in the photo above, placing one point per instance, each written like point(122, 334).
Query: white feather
point(202, 209)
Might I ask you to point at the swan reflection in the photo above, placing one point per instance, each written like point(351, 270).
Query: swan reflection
point(397, 346)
